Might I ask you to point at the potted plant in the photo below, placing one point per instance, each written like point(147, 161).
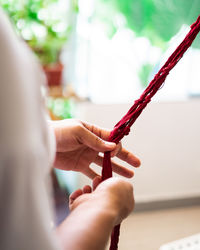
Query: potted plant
point(45, 25)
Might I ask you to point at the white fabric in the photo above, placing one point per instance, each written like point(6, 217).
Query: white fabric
point(25, 210)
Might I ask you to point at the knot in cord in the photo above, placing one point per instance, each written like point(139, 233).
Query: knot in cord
point(126, 130)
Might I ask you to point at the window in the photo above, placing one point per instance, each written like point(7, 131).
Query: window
point(122, 44)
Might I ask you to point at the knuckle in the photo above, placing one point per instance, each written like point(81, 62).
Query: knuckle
point(98, 141)
point(126, 155)
point(78, 128)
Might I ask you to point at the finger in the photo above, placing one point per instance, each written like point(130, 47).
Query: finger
point(87, 189)
point(90, 173)
point(100, 132)
point(97, 180)
point(73, 196)
point(93, 141)
point(128, 157)
point(117, 168)
point(116, 150)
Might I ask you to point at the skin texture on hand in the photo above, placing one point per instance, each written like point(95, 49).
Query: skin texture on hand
point(117, 192)
point(79, 144)
point(94, 215)
point(94, 210)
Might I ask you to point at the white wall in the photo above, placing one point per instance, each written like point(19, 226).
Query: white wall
point(166, 137)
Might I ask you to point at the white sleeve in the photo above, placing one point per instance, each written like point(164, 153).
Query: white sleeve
point(25, 209)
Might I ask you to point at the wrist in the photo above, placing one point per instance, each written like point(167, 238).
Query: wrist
point(119, 196)
point(56, 127)
point(92, 217)
point(112, 206)
point(102, 203)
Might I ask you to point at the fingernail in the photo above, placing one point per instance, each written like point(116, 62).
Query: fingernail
point(110, 144)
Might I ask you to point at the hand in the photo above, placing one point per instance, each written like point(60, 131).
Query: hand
point(94, 214)
point(79, 144)
point(86, 190)
point(114, 194)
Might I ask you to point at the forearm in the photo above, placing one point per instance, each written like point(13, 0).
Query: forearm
point(88, 227)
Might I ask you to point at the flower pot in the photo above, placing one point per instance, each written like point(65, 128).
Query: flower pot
point(53, 74)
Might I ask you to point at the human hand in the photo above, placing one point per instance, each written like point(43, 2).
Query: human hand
point(94, 214)
point(114, 195)
point(79, 144)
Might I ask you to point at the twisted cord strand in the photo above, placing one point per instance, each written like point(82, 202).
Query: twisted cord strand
point(122, 128)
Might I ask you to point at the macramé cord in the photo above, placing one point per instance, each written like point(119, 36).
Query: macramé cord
point(122, 128)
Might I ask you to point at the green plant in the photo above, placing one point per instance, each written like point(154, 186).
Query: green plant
point(43, 24)
point(144, 73)
point(158, 20)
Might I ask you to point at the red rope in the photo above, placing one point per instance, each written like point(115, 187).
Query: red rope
point(122, 128)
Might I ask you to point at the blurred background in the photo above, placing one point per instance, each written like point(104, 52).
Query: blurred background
point(98, 56)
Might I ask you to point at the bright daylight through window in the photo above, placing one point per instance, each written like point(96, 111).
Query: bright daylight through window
point(122, 44)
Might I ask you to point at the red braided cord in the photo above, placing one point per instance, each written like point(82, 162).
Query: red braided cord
point(122, 128)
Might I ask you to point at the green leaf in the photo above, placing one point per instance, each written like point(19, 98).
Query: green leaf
point(159, 20)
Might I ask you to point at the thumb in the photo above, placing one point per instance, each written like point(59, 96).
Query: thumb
point(93, 141)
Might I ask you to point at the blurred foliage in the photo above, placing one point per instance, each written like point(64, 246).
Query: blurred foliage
point(159, 20)
point(41, 24)
point(61, 107)
point(144, 73)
